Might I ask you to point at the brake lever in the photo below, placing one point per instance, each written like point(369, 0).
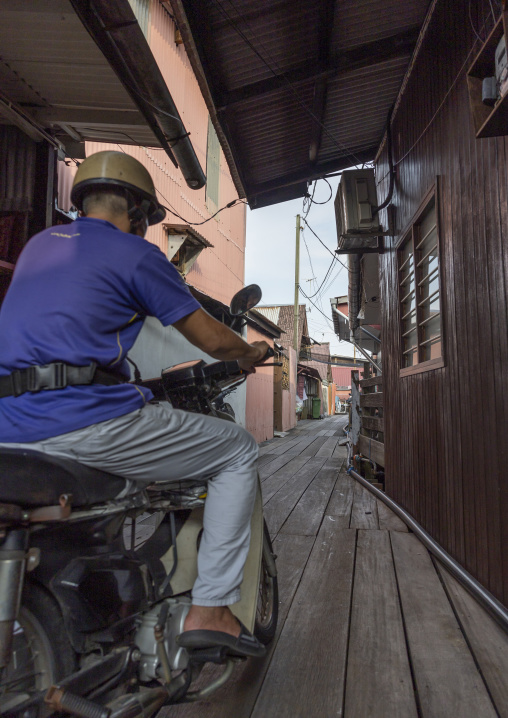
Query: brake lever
point(275, 363)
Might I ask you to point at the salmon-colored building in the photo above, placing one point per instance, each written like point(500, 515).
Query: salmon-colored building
point(218, 269)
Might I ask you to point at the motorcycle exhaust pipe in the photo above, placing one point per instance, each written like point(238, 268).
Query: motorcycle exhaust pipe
point(139, 704)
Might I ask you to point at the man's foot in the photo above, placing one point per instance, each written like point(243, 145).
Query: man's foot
point(216, 627)
point(212, 618)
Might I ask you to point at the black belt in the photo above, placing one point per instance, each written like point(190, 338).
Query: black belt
point(56, 375)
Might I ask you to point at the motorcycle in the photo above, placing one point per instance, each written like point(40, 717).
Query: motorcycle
point(89, 616)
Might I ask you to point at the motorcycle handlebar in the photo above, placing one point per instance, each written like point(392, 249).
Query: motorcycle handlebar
point(269, 354)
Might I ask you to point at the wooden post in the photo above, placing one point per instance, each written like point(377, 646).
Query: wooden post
point(355, 411)
point(297, 288)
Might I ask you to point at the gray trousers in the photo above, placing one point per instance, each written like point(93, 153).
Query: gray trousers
point(160, 444)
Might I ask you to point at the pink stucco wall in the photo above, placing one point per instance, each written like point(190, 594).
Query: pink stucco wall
point(259, 401)
point(219, 270)
point(289, 397)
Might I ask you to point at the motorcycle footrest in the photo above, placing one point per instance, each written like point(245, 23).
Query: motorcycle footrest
point(217, 654)
point(65, 701)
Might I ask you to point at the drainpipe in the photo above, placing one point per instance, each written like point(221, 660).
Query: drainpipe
point(369, 359)
point(114, 28)
point(354, 290)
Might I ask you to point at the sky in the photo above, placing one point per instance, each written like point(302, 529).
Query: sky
point(270, 259)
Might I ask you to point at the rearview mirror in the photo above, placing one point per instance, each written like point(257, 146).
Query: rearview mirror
point(245, 299)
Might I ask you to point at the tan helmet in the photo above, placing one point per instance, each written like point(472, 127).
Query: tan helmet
point(117, 169)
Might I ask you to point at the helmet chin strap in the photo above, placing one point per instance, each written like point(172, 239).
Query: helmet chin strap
point(138, 214)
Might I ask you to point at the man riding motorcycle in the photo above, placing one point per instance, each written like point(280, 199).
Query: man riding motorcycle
point(76, 304)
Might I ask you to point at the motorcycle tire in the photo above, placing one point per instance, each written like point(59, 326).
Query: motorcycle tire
point(267, 612)
point(42, 653)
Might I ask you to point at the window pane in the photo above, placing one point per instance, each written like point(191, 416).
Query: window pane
point(408, 312)
point(427, 272)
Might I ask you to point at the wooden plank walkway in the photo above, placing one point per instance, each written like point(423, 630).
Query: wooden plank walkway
point(370, 625)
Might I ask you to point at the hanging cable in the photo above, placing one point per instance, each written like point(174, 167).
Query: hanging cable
point(324, 245)
point(187, 221)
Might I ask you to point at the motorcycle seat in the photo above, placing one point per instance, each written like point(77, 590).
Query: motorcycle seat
point(33, 479)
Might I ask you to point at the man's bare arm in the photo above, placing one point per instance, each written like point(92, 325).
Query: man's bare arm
point(217, 340)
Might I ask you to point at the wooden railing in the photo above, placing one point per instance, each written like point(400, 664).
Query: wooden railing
point(367, 422)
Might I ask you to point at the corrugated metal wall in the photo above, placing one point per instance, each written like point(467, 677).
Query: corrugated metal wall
point(17, 170)
point(445, 437)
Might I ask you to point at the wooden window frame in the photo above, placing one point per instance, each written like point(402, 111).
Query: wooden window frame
point(437, 362)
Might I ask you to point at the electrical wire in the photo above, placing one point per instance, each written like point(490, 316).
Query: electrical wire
point(280, 75)
point(197, 224)
point(324, 280)
point(231, 204)
point(313, 201)
point(173, 211)
point(327, 248)
point(314, 305)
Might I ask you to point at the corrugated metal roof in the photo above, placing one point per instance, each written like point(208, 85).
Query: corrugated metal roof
point(271, 313)
point(51, 66)
point(300, 89)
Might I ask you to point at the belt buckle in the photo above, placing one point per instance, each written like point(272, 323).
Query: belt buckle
point(59, 376)
point(46, 377)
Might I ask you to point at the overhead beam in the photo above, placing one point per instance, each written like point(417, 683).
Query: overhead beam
point(260, 195)
point(367, 55)
point(311, 172)
point(327, 11)
point(49, 116)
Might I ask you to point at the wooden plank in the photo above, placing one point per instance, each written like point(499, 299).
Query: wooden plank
point(275, 482)
point(237, 697)
point(379, 680)
point(488, 642)
point(373, 423)
point(372, 449)
point(364, 511)
point(313, 448)
point(306, 677)
point(328, 447)
point(340, 452)
point(275, 464)
point(265, 459)
point(373, 381)
point(388, 520)
point(375, 399)
point(447, 679)
point(294, 443)
point(278, 508)
point(341, 499)
point(307, 515)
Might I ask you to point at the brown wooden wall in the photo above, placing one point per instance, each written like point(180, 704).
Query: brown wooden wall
point(446, 431)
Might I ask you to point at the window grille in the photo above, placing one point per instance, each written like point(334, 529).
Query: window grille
point(419, 289)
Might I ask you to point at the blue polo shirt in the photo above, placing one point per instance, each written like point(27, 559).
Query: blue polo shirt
point(80, 293)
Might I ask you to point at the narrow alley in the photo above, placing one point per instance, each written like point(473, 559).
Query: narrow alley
point(369, 624)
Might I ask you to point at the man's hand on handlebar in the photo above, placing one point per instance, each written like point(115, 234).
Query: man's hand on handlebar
point(261, 352)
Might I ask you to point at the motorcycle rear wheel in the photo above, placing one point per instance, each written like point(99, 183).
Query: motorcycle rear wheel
point(41, 656)
point(267, 611)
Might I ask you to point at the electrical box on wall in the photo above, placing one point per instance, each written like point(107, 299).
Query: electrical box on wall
point(355, 209)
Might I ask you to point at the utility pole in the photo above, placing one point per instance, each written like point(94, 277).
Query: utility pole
point(297, 286)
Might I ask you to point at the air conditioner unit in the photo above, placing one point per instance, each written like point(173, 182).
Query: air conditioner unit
point(355, 204)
